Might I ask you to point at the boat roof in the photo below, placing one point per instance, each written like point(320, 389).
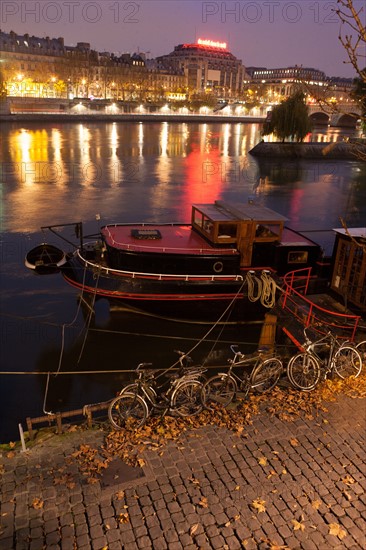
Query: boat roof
point(351, 231)
point(170, 238)
point(226, 211)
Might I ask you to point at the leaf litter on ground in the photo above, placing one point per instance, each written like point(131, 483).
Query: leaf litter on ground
point(285, 403)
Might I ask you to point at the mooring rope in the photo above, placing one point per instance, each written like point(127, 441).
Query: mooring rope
point(269, 287)
point(86, 325)
point(227, 309)
point(254, 286)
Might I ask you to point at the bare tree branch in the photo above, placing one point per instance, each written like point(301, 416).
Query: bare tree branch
point(355, 46)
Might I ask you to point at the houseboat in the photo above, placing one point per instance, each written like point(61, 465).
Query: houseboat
point(228, 254)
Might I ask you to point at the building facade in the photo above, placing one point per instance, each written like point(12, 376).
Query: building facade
point(208, 66)
point(35, 67)
point(282, 82)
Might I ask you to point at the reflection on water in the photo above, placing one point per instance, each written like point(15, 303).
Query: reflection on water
point(73, 171)
point(62, 173)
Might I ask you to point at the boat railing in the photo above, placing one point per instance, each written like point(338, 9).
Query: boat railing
point(158, 276)
point(180, 250)
point(294, 300)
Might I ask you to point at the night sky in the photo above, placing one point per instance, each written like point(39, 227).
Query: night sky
point(268, 33)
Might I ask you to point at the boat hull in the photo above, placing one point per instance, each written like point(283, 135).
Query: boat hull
point(173, 296)
point(45, 259)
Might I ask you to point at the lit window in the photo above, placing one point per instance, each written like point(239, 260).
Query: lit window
point(297, 257)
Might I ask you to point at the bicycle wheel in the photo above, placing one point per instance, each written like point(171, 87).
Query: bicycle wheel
point(266, 375)
point(303, 371)
point(186, 398)
point(134, 388)
point(347, 362)
point(361, 348)
point(127, 411)
point(219, 390)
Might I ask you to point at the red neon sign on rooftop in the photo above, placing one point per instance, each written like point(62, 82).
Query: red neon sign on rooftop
point(212, 43)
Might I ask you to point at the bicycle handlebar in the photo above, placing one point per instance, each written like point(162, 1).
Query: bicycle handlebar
point(141, 366)
point(184, 357)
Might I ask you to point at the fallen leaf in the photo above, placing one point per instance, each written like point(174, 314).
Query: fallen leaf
point(37, 503)
point(337, 531)
point(73, 428)
point(294, 442)
point(262, 461)
point(297, 525)
point(203, 502)
point(194, 481)
point(316, 504)
point(348, 480)
point(258, 505)
point(193, 529)
point(141, 462)
point(124, 517)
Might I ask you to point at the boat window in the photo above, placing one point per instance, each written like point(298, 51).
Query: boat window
point(198, 218)
point(207, 225)
point(266, 231)
point(227, 231)
point(297, 257)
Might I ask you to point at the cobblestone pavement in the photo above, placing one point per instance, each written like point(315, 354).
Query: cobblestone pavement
point(297, 485)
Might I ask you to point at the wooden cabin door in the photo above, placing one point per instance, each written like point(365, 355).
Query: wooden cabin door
point(349, 274)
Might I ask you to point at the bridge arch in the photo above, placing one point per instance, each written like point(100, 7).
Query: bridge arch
point(319, 118)
point(345, 120)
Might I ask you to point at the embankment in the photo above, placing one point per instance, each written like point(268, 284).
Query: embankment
point(343, 150)
point(133, 117)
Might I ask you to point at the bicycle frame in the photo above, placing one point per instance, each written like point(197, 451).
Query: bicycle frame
point(240, 360)
point(334, 346)
point(144, 385)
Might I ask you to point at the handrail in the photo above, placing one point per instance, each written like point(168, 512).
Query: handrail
point(159, 276)
point(310, 313)
point(137, 247)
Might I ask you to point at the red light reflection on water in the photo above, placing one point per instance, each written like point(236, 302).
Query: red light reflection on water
point(296, 206)
point(204, 178)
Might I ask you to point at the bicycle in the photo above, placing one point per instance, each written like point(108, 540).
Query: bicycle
point(304, 370)
point(139, 400)
point(221, 388)
point(185, 368)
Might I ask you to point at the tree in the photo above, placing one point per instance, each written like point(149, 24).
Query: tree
point(351, 21)
point(290, 119)
point(359, 94)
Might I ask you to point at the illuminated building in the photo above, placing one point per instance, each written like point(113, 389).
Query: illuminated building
point(35, 67)
point(282, 82)
point(208, 66)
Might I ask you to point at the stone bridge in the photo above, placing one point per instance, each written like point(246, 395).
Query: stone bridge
point(346, 115)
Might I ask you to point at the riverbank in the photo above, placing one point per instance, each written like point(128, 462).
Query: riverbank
point(288, 477)
point(126, 117)
point(342, 150)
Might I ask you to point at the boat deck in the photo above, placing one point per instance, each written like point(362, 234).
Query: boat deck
point(174, 239)
point(178, 239)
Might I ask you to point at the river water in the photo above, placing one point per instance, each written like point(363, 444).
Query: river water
point(58, 173)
